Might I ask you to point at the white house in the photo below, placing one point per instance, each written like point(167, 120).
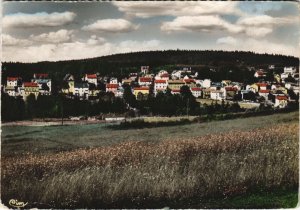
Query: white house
point(145, 81)
point(284, 76)
point(217, 95)
point(281, 101)
point(259, 74)
point(176, 74)
point(264, 93)
point(81, 90)
point(119, 92)
point(196, 91)
point(112, 88)
point(206, 83)
point(289, 70)
point(160, 85)
point(91, 78)
point(271, 67)
point(145, 69)
point(12, 81)
point(113, 80)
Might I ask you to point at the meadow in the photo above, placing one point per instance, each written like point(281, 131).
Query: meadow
point(202, 165)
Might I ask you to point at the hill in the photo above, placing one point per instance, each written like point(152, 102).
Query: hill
point(121, 64)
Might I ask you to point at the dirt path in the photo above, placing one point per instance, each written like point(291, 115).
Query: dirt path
point(51, 122)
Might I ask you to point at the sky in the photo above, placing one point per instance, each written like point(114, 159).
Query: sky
point(52, 31)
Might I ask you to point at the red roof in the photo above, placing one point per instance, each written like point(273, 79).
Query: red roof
point(264, 91)
point(30, 84)
point(230, 88)
point(260, 72)
point(176, 90)
point(281, 98)
point(196, 89)
point(145, 79)
point(40, 75)
point(112, 85)
point(262, 84)
point(91, 76)
point(164, 75)
point(141, 88)
point(160, 81)
point(13, 78)
point(189, 80)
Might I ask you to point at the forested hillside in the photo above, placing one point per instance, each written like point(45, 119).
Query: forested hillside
point(121, 64)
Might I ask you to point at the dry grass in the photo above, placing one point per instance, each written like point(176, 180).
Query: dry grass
point(139, 174)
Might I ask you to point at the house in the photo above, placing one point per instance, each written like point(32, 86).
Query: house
point(190, 83)
point(175, 84)
point(264, 93)
point(44, 83)
point(126, 81)
point(165, 76)
point(176, 75)
point(145, 81)
point(237, 85)
point(230, 92)
point(145, 70)
point(206, 83)
point(41, 76)
point(13, 81)
point(133, 76)
point(283, 89)
point(160, 85)
point(113, 80)
point(120, 92)
point(260, 74)
point(271, 67)
point(277, 78)
point(290, 70)
point(93, 91)
point(30, 88)
point(275, 86)
point(81, 90)
point(91, 78)
point(244, 94)
point(175, 91)
point(226, 82)
point(70, 81)
point(196, 91)
point(281, 101)
point(141, 91)
point(217, 95)
point(206, 92)
point(254, 88)
point(262, 86)
point(112, 88)
point(12, 91)
point(283, 76)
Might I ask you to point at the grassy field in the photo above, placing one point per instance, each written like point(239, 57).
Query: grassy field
point(240, 163)
point(22, 139)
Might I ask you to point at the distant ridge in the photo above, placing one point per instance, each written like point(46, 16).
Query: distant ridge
point(126, 62)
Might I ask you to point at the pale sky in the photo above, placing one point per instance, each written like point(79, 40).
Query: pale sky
point(51, 31)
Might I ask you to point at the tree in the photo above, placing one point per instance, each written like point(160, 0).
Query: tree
point(128, 96)
point(31, 106)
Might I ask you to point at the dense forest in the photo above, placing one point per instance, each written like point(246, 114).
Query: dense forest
point(227, 65)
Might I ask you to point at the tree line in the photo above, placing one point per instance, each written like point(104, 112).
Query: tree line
point(56, 106)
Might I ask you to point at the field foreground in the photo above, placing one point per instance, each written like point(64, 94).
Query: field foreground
point(176, 172)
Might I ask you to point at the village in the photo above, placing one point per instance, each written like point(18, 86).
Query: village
point(277, 93)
